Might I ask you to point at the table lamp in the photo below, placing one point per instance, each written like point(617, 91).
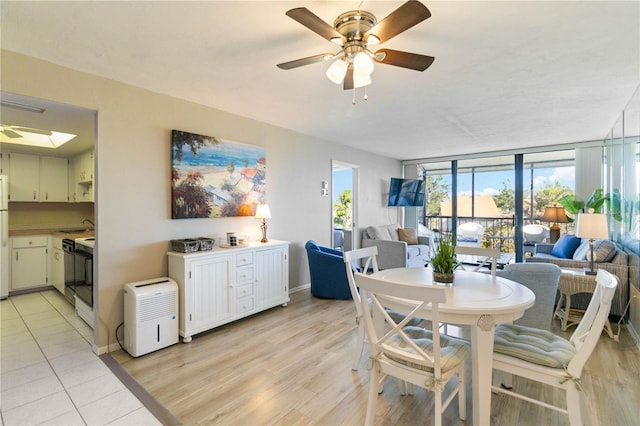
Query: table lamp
point(554, 214)
point(262, 212)
point(591, 226)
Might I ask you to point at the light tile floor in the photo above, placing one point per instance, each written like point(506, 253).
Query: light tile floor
point(49, 375)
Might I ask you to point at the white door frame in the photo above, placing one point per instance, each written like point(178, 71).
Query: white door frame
point(337, 164)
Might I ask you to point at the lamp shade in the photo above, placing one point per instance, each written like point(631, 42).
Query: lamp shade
point(592, 225)
point(337, 71)
point(360, 79)
point(263, 212)
point(554, 214)
point(363, 62)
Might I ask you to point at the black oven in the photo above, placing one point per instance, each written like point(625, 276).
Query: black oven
point(78, 270)
point(84, 271)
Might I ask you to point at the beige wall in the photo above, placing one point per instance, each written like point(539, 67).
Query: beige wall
point(133, 177)
point(49, 215)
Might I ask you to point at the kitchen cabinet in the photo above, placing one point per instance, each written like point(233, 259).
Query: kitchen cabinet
point(24, 177)
point(56, 264)
point(225, 284)
point(37, 178)
point(54, 176)
point(81, 186)
point(29, 262)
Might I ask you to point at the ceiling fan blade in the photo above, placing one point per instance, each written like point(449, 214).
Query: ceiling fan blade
point(402, 59)
point(305, 61)
point(10, 134)
point(315, 24)
point(406, 16)
point(348, 79)
point(30, 130)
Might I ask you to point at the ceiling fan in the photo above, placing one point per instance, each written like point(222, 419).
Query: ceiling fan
point(354, 31)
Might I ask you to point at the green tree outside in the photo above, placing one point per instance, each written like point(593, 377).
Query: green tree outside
point(437, 191)
point(343, 211)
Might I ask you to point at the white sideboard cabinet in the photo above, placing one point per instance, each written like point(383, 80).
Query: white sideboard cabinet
point(225, 284)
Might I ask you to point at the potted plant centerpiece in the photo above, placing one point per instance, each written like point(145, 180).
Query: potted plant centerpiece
point(444, 261)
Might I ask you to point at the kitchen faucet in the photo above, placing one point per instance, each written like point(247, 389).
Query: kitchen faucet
point(88, 220)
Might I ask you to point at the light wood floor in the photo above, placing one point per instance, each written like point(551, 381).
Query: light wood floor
point(292, 365)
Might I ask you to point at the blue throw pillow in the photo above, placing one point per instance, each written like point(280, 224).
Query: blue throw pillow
point(565, 246)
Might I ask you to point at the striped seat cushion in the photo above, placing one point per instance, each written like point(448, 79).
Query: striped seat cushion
point(398, 317)
point(534, 345)
point(452, 351)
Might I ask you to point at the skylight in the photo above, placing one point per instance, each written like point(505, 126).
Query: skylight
point(33, 137)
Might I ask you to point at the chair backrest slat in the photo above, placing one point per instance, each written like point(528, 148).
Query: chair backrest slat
point(352, 260)
point(484, 256)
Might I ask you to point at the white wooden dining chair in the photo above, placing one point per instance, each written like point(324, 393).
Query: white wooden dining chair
point(352, 260)
point(412, 354)
point(364, 259)
point(544, 357)
point(481, 256)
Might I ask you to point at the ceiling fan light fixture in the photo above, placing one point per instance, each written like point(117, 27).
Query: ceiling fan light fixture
point(373, 39)
point(336, 40)
point(362, 63)
point(360, 79)
point(337, 71)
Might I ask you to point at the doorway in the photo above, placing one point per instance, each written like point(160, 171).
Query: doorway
point(25, 116)
point(344, 184)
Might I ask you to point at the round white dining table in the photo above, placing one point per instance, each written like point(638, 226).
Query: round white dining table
point(480, 301)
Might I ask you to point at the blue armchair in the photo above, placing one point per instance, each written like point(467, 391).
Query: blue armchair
point(328, 275)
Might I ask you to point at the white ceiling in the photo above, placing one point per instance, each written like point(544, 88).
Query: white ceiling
point(507, 74)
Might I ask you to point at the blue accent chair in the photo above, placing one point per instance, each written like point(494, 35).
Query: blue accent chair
point(328, 274)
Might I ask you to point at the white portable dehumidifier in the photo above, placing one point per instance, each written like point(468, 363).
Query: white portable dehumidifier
point(150, 315)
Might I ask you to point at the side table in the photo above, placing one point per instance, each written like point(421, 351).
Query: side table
point(574, 281)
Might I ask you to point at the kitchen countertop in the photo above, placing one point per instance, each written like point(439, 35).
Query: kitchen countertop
point(63, 233)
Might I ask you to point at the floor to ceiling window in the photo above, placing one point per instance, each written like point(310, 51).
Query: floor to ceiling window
point(476, 198)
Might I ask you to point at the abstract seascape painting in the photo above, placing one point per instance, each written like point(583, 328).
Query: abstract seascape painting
point(213, 177)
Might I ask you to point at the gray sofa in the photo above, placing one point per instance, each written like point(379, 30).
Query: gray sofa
point(393, 253)
point(618, 266)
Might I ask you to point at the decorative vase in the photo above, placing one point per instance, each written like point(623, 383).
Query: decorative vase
point(443, 277)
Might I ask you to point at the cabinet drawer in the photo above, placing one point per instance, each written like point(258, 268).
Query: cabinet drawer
point(245, 305)
point(244, 275)
point(244, 291)
point(245, 258)
point(31, 241)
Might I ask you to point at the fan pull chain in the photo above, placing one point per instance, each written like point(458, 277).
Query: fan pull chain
point(365, 97)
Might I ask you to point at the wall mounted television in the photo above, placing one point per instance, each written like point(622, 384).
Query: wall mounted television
point(406, 193)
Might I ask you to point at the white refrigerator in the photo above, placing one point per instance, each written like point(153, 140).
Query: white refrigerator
point(4, 238)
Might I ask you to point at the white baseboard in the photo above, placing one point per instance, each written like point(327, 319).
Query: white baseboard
point(106, 349)
point(299, 288)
